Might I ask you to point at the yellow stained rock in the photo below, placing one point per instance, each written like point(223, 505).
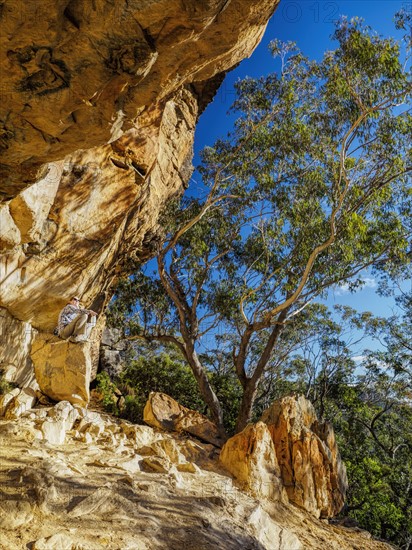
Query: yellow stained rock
point(62, 368)
point(250, 457)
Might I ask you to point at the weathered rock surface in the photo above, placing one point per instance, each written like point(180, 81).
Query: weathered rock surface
point(77, 74)
point(134, 487)
point(7, 398)
point(62, 368)
point(251, 458)
point(311, 469)
point(113, 352)
point(15, 343)
point(14, 514)
point(161, 411)
point(21, 402)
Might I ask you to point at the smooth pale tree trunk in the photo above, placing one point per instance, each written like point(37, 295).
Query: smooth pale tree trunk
point(250, 385)
point(206, 390)
point(246, 405)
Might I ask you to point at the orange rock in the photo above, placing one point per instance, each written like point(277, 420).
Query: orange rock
point(162, 411)
point(251, 458)
point(62, 369)
point(311, 469)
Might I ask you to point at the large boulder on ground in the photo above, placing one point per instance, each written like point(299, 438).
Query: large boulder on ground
point(162, 411)
point(312, 472)
point(251, 458)
point(62, 368)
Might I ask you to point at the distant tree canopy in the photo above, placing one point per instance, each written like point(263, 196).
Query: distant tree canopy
point(312, 187)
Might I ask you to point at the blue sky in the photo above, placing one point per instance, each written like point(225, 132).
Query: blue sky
point(310, 24)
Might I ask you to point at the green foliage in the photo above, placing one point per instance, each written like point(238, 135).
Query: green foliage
point(229, 392)
point(311, 187)
point(376, 446)
point(5, 386)
point(370, 408)
point(107, 390)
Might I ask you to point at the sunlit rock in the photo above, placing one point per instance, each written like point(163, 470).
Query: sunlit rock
point(161, 411)
point(311, 469)
point(250, 457)
point(21, 402)
point(62, 368)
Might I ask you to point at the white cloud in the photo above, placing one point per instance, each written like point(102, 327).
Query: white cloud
point(358, 358)
point(367, 282)
point(342, 289)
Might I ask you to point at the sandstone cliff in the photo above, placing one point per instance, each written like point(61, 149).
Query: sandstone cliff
point(99, 102)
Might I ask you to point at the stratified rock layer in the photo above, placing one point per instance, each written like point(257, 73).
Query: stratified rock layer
point(311, 469)
point(62, 368)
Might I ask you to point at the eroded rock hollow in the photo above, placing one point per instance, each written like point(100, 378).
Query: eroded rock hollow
point(99, 102)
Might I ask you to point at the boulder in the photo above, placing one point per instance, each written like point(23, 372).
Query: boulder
point(59, 420)
point(139, 435)
point(66, 412)
point(54, 431)
point(62, 368)
point(251, 458)
point(311, 469)
point(20, 403)
point(7, 398)
point(162, 411)
point(198, 425)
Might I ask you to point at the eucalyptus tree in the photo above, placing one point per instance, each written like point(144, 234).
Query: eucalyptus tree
point(310, 188)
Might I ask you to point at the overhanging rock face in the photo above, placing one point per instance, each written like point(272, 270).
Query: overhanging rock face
point(99, 102)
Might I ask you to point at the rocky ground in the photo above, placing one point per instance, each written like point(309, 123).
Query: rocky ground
point(76, 479)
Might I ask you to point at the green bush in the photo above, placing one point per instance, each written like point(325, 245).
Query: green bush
point(107, 389)
point(5, 386)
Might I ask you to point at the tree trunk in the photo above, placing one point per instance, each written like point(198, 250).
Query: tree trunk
point(250, 385)
point(246, 405)
point(206, 390)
